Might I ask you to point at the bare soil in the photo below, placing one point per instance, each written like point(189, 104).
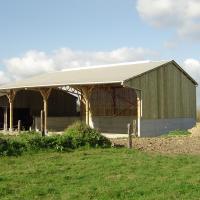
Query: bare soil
point(169, 145)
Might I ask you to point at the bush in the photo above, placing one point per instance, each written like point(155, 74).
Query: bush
point(12, 146)
point(39, 142)
point(77, 135)
point(3, 146)
point(82, 135)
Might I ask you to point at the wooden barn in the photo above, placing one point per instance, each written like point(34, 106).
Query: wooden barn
point(154, 97)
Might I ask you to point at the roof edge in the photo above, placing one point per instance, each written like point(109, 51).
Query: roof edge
point(58, 85)
point(171, 61)
point(178, 66)
point(167, 62)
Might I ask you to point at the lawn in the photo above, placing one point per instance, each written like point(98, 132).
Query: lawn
point(99, 174)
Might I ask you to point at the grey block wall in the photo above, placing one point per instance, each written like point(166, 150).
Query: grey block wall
point(158, 127)
point(109, 124)
point(57, 123)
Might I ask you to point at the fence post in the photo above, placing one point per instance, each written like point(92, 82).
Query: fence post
point(19, 126)
point(134, 128)
point(42, 123)
point(129, 136)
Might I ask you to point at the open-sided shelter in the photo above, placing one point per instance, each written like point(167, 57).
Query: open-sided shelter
point(154, 97)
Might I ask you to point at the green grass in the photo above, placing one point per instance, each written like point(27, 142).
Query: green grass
point(99, 174)
point(177, 133)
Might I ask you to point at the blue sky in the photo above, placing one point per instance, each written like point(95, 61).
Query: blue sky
point(91, 25)
point(45, 35)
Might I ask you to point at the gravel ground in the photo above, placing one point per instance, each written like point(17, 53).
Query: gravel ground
point(168, 145)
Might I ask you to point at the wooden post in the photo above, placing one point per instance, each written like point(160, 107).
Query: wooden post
point(19, 126)
point(87, 111)
point(5, 119)
point(45, 115)
point(138, 92)
point(129, 136)
point(35, 123)
point(11, 116)
point(11, 97)
point(86, 94)
point(45, 92)
point(42, 123)
point(134, 127)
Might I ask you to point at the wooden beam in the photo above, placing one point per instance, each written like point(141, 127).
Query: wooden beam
point(11, 97)
point(45, 92)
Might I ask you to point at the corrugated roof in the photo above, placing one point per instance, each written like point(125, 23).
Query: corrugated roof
point(115, 73)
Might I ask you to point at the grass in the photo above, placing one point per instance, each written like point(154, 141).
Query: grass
point(99, 174)
point(177, 133)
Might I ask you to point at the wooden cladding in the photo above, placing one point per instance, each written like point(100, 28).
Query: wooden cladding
point(113, 101)
point(166, 93)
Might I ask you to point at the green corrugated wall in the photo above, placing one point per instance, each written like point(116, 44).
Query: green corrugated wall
point(166, 93)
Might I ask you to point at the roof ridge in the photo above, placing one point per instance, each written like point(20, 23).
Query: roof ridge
point(111, 65)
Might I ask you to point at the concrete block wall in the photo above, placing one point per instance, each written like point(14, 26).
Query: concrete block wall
point(109, 124)
point(57, 123)
point(158, 127)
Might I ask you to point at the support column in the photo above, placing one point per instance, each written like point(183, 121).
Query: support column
point(45, 92)
point(138, 92)
point(5, 116)
point(87, 111)
point(86, 94)
point(11, 97)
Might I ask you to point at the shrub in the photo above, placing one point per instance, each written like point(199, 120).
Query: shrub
point(3, 146)
point(65, 141)
point(12, 146)
point(82, 135)
point(39, 142)
point(77, 135)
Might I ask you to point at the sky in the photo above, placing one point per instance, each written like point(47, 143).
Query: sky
point(41, 36)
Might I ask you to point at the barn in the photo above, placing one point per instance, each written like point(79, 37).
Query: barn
point(153, 96)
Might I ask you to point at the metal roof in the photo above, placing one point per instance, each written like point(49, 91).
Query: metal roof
point(106, 74)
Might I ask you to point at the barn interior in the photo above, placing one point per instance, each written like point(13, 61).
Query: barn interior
point(111, 107)
point(28, 104)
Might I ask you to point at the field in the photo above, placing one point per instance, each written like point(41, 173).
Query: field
point(115, 173)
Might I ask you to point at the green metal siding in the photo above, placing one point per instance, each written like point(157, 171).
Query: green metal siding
point(166, 93)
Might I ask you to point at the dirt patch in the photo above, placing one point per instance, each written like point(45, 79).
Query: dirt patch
point(168, 145)
point(189, 144)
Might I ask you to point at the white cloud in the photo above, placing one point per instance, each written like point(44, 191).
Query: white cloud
point(31, 63)
point(183, 15)
point(35, 62)
point(4, 78)
point(192, 66)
